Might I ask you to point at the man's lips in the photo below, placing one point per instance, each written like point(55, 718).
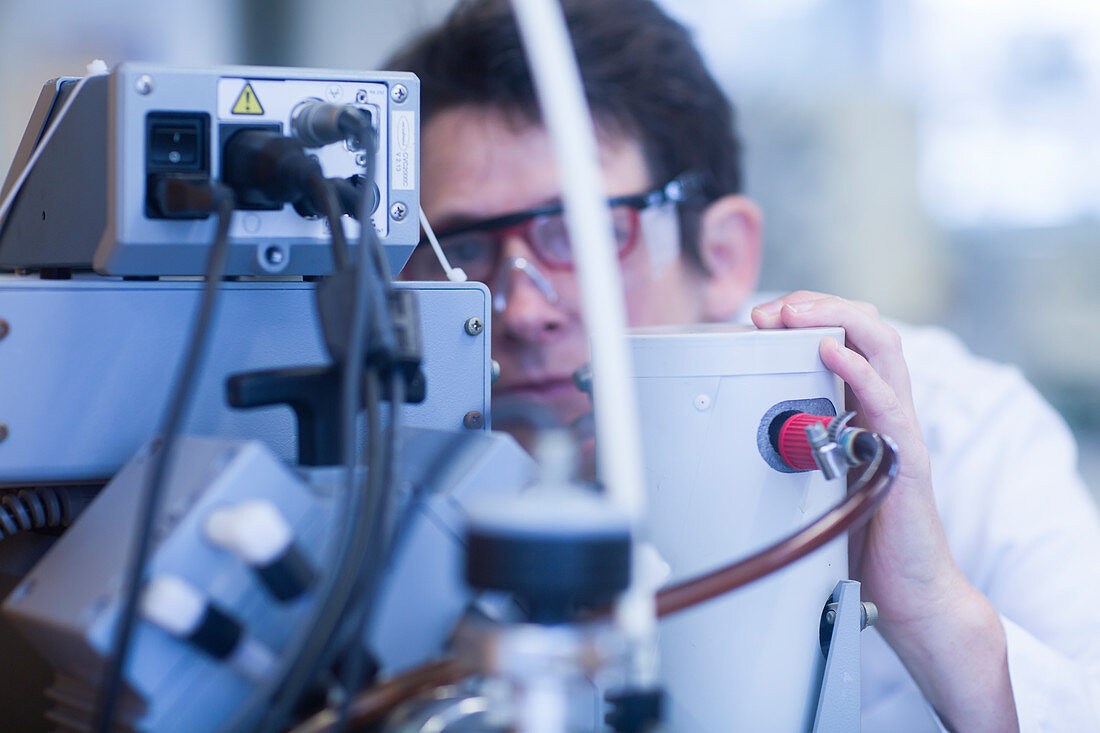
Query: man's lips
point(543, 389)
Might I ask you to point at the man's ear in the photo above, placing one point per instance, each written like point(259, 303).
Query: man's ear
point(730, 235)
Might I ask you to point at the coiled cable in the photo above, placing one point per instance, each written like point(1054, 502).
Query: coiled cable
point(42, 507)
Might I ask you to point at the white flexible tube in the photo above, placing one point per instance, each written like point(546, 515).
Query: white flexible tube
point(454, 274)
point(569, 122)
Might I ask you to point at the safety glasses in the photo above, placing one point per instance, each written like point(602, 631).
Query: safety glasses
point(476, 247)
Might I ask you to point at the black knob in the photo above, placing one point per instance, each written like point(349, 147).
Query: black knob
point(555, 560)
point(313, 392)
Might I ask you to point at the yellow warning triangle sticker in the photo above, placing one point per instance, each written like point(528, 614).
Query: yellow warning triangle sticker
point(247, 103)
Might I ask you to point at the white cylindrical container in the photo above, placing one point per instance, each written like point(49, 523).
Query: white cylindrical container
point(749, 660)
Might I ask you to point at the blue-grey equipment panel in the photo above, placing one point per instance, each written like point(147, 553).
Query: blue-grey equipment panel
point(87, 365)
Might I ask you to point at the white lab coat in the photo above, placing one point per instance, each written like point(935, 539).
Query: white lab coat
point(1022, 527)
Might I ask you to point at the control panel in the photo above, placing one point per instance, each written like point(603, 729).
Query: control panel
point(157, 123)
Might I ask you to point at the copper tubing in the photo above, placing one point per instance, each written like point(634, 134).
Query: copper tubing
point(372, 704)
point(868, 491)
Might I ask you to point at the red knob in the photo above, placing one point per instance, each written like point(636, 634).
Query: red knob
point(794, 446)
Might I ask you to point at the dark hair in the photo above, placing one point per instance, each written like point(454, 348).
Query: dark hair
point(643, 77)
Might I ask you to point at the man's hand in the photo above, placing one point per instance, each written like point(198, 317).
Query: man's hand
point(945, 632)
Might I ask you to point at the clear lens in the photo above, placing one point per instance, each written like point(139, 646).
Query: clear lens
point(549, 237)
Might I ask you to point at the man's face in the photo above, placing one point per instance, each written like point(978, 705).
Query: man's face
point(479, 164)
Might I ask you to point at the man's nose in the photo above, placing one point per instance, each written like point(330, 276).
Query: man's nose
point(526, 302)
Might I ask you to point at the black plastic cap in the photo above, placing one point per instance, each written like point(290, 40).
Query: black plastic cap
point(552, 576)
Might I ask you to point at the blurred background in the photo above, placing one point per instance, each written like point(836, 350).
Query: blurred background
point(936, 157)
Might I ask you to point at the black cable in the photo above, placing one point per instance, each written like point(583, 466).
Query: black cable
point(302, 646)
point(331, 645)
point(316, 656)
point(325, 196)
point(41, 507)
point(301, 657)
point(299, 647)
point(335, 645)
point(378, 500)
point(222, 199)
point(374, 562)
point(328, 646)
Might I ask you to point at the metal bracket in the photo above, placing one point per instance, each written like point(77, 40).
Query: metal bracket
point(838, 704)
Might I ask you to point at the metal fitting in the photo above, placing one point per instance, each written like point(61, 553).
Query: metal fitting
point(868, 615)
point(3, 432)
point(361, 96)
point(399, 93)
point(399, 211)
point(827, 454)
point(144, 84)
point(474, 326)
point(5, 328)
point(494, 371)
point(473, 420)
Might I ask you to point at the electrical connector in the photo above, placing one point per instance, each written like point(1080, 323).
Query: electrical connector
point(316, 123)
point(806, 442)
point(268, 170)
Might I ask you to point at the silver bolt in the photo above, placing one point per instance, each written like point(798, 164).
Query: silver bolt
point(495, 371)
point(830, 617)
point(361, 160)
point(868, 614)
point(399, 211)
point(474, 326)
point(144, 84)
point(399, 93)
point(361, 97)
point(3, 432)
point(473, 420)
point(5, 329)
point(274, 255)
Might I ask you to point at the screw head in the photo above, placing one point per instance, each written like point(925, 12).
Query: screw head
point(399, 211)
point(361, 97)
point(474, 326)
point(361, 160)
point(5, 329)
point(274, 256)
point(3, 432)
point(473, 420)
point(702, 402)
point(144, 84)
point(399, 93)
